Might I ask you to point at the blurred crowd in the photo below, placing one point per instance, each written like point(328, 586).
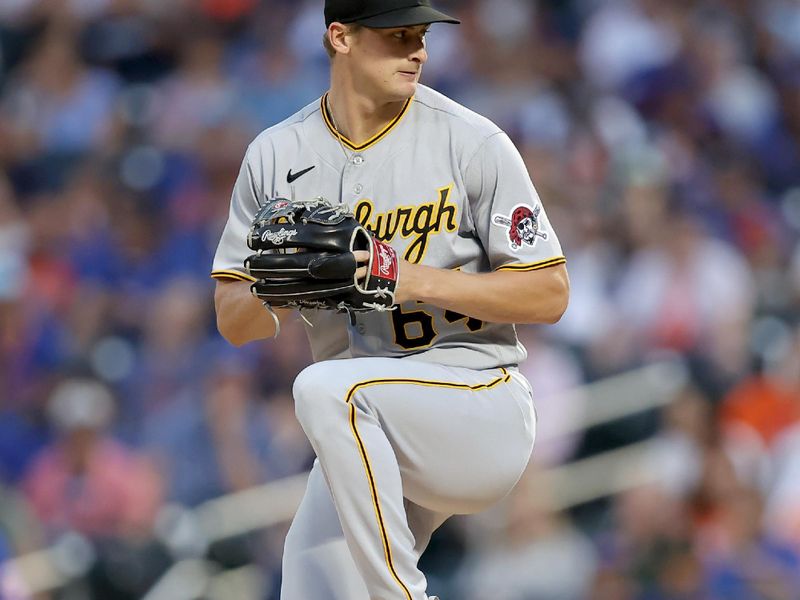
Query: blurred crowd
point(664, 139)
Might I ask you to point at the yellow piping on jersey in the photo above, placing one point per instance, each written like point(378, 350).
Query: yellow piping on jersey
point(387, 549)
point(230, 274)
point(550, 262)
point(370, 142)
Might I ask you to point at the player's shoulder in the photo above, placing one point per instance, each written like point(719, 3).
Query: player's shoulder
point(439, 109)
point(284, 132)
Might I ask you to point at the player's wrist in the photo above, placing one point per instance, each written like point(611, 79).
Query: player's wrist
point(415, 282)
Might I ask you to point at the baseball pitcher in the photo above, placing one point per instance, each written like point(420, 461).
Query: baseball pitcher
point(406, 231)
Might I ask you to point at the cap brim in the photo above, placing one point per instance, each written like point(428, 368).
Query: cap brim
point(406, 17)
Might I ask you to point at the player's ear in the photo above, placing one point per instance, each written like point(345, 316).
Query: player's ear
point(340, 38)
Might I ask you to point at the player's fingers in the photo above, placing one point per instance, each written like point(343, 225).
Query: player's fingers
point(362, 256)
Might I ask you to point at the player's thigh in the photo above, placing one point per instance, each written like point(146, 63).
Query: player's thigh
point(462, 437)
point(316, 561)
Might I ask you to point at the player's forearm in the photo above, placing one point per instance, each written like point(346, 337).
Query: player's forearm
point(241, 317)
point(497, 297)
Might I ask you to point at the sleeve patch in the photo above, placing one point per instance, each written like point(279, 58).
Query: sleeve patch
point(522, 226)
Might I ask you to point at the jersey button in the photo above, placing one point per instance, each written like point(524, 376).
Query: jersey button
point(362, 329)
point(358, 160)
point(358, 188)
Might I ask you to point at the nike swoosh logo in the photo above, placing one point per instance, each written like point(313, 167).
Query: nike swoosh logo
point(292, 177)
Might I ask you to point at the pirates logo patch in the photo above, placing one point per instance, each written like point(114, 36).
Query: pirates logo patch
point(522, 226)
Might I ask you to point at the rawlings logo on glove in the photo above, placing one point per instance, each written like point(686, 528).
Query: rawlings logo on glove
point(278, 237)
point(310, 263)
point(386, 265)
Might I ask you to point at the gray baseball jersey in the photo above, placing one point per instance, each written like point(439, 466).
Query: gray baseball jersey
point(442, 184)
point(402, 444)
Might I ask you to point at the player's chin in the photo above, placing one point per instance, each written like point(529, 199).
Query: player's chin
point(405, 87)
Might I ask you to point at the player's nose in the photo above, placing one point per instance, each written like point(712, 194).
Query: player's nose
point(420, 55)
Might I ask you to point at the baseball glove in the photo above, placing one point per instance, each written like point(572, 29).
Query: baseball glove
point(304, 258)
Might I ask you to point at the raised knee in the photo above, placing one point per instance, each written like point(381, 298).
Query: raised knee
point(307, 383)
point(307, 391)
point(318, 396)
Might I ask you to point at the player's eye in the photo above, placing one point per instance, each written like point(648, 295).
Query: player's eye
point(404, 34)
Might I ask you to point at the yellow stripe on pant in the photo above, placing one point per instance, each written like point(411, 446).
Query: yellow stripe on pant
point(387, 549)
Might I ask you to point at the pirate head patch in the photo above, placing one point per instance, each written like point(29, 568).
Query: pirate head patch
point(522, 226)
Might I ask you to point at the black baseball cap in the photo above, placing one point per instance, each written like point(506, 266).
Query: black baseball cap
point(382, 14)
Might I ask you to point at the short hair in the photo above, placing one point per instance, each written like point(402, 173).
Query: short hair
point(326, 42)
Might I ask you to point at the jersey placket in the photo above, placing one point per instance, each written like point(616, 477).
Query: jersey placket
point(353, 177)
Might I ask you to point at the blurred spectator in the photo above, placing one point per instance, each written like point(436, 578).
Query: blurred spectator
point(57, 105)
point(621, 40)
point(197, 96)
point(765, 404)
point(166, 387)
point(85, 480)
point(688, 430)
point(273, 84)
point(534, 553)
point(744, 562)
point(768, 402)
point(687, 292)
point(647, 552)
point(255, 441)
